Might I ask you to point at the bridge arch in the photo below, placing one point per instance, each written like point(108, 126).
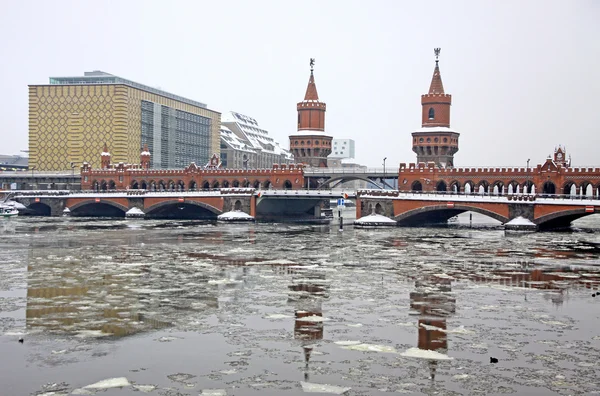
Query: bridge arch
point(443, 213)
point(441, 186)
point(483, 187)
point(188, 208)
point(513, 187)
point(336, 180)
point(528, 187)
point(215, 184)
point(469, 187)
point(256, 184)
point(144, 185)
point(587, 189)
point(40, 209)
point(225, 183)
point(416, 186)
point(287, 185)
point(104, 208)
point(498, 187)
point(134, 185)
point(569, 188)
point(193, 185)
point(455, 186)
point(267, 185)
point(560, 219)
point(180, 185)
point(235, 183)
point(206, 185)
point(549, 188)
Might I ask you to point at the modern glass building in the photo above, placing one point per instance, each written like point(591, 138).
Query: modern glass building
point(72, 118)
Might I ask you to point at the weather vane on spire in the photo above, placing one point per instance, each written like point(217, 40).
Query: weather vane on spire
point(312, 64)
point(437, 51)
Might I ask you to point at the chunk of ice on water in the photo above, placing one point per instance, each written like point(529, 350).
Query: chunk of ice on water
point(145, 388)
point(347, 342)
point(313, 318)
point(371, 348)
point(109, 383)
point(278, 316)
point(213, 392)
point(310, 387)
point(425, 354)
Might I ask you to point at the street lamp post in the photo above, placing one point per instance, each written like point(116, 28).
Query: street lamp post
point(72, 173)
point(384, 158)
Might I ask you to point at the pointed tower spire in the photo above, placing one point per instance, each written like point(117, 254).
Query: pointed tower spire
point(436, 86)
point(311, 90)
point(435, 141)
point(311, 145)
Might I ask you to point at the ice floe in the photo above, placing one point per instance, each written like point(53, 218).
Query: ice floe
point(310, 387)
point(313, 318)
point(214, 392)
point(425, 354)
point(118, 382)
point(145, 388)
point(362, 347)
point(278, 316)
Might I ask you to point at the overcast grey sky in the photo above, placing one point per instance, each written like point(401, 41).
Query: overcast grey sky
point(523, 74)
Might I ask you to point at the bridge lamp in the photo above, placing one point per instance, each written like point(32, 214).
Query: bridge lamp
point(384, 158)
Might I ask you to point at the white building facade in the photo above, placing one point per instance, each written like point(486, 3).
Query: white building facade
point(245, 145)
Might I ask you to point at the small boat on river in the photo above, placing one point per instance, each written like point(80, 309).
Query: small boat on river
point(8, 211)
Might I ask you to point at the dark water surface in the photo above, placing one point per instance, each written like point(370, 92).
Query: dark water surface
point(189, 308)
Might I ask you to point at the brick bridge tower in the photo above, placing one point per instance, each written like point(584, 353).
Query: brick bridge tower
point(310, 145)
point(435, 141)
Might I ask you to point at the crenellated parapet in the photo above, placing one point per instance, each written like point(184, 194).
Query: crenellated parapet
point(193, 177)
point(547, 178)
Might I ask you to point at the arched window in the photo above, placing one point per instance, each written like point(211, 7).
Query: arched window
point(431, 113)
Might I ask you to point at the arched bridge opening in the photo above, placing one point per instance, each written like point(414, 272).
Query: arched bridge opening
point(561, 220)
point(339, 181)
point(97, 209)
point(182, 210)
point(297, 209)
point(440, 214)
point(39, 209)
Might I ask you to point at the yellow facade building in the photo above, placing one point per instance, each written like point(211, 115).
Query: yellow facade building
point(72, 118)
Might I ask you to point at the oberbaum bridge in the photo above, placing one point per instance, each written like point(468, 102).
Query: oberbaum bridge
point(430, 191)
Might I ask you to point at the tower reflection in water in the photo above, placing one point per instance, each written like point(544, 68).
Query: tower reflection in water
point(433, 303)
point(306, 294)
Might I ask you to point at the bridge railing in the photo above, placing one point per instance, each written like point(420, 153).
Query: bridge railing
point(450, 194)
point(392, 172)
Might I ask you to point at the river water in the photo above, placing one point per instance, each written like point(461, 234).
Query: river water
point(188, 308)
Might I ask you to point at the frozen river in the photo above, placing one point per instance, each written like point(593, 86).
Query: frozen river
point(188, 308)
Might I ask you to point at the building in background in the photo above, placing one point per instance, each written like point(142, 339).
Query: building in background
point(311, 145)
point(244, 144)
point(72, 118)
point(13, 162)
point(342, 148)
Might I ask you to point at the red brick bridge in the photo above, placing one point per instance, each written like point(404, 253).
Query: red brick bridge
point(420, 208)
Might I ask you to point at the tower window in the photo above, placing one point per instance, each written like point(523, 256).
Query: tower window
point(431, 113)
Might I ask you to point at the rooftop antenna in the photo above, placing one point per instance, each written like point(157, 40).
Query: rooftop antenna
point(437, 51)
point(312, 65)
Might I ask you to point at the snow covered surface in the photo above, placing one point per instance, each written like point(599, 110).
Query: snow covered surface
point(109, 383)
point(375, 219)
point(521, 221)
point(310, 387)
point(425, 354)
point(235, 215)
point(135, 211)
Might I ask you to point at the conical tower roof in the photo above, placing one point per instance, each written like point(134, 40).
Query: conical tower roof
point(436, 86)
point(311, 90)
